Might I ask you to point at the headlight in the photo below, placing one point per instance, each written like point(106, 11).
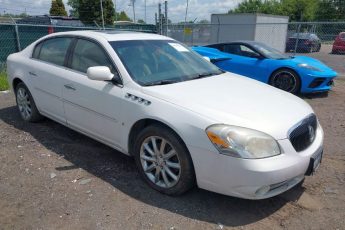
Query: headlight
point(242, 142)
point(306, 66)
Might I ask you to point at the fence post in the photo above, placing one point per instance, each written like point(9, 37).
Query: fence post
point(17, 34)
point(297, 38)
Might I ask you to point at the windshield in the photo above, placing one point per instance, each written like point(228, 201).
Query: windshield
point(269, 52)
point(154, 62)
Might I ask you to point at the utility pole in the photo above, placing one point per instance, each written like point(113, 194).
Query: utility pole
point(115, 11)
point(166, 16)
point(145, 11)
point(185, 22)
point(185, 17)
point(160, 18)
point(133, 6)
point(102, 13)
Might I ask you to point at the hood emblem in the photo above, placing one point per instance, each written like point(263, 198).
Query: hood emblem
point(311, 133)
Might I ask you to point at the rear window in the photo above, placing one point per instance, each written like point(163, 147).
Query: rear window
point(53, 50)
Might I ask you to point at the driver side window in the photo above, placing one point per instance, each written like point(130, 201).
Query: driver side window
point(88, 54)
point(240, 50)
point(248, 52)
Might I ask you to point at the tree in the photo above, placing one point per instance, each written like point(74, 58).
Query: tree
point(122, 16)
point(141, 21)
point(74, 4)
point(57, 8)
point(90, 11)
point(331, 10)
point(297, 10)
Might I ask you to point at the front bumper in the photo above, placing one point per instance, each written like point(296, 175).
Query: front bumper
point(317, 83)
point(247, 178)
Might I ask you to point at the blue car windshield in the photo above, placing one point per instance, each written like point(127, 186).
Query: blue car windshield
point(156, 62)
point(270, 52)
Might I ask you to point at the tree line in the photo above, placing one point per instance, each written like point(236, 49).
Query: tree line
point(297, 10)
point(89, 11)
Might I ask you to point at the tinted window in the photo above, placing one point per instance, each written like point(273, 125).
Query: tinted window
point(241, 50)
point(233, 49)
point(88, 54)
point(54, 50)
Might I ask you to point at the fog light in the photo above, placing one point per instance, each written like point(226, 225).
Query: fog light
point(263, 190)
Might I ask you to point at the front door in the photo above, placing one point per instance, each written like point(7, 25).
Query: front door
point(93, 107)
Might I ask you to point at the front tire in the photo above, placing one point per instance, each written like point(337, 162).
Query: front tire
point(164, 161)
point(287, 80)
point(26, 104)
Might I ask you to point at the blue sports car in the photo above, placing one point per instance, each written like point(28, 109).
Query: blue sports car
point(298, 74)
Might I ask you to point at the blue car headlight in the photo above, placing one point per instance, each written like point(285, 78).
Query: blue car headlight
point(309, 67)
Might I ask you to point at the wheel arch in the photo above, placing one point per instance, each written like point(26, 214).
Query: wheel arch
point(286, 68)
point(15, 82)
point(143, 123)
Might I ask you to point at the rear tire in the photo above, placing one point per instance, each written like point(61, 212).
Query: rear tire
point(26, 104)
point(318, 48)
point(163, 160)
point(286, 79)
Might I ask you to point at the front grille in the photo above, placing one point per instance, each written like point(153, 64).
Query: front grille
point(303, 135)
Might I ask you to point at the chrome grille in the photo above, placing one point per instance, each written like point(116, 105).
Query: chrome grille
point(303, 135)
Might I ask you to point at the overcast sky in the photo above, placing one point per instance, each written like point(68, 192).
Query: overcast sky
point(198, 9)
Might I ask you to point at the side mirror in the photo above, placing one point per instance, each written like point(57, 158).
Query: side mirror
point(99, 73)
point(207, 58)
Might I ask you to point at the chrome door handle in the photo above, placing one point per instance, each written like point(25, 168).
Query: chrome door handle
point(70, 87)
point(33, 74)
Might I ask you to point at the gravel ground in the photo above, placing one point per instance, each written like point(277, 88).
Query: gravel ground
point(54, 178)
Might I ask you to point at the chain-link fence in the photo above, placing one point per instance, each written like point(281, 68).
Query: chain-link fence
point(322, 40)
point(15, 37)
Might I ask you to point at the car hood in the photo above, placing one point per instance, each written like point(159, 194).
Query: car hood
point(312, 62)
point(236, 100)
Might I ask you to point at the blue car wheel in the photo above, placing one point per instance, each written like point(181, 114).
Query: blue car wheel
point(287, 80)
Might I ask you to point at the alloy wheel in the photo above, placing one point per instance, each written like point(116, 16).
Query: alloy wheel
point(24, 104)
point(160, 162)
point(285, 80)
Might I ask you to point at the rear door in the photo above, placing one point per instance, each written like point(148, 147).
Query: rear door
point(46, 72)
point(93, 107)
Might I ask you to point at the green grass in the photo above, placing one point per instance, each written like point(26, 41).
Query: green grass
point(3, 81)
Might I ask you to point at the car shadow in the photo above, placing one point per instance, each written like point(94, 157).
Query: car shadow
point(315, 95)
point(120, 172)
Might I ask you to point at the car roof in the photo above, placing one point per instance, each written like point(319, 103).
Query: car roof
point(113, 35)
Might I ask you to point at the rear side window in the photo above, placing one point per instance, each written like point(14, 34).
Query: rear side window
point(233, 49)
point(37, 50)
point(88, 54)
point(53, 50)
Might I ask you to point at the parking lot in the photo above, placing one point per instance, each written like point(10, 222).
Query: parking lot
point(54, 178)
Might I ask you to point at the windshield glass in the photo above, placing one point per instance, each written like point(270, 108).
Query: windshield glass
point(153, 62)
point(270, 52)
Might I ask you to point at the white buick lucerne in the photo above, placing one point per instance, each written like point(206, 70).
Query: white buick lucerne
point(184, 121)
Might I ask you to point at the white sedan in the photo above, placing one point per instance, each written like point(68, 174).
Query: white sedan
point(184, 121)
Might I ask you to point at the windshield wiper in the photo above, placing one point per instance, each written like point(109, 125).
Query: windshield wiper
point(203, 75)
point(160, 82)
